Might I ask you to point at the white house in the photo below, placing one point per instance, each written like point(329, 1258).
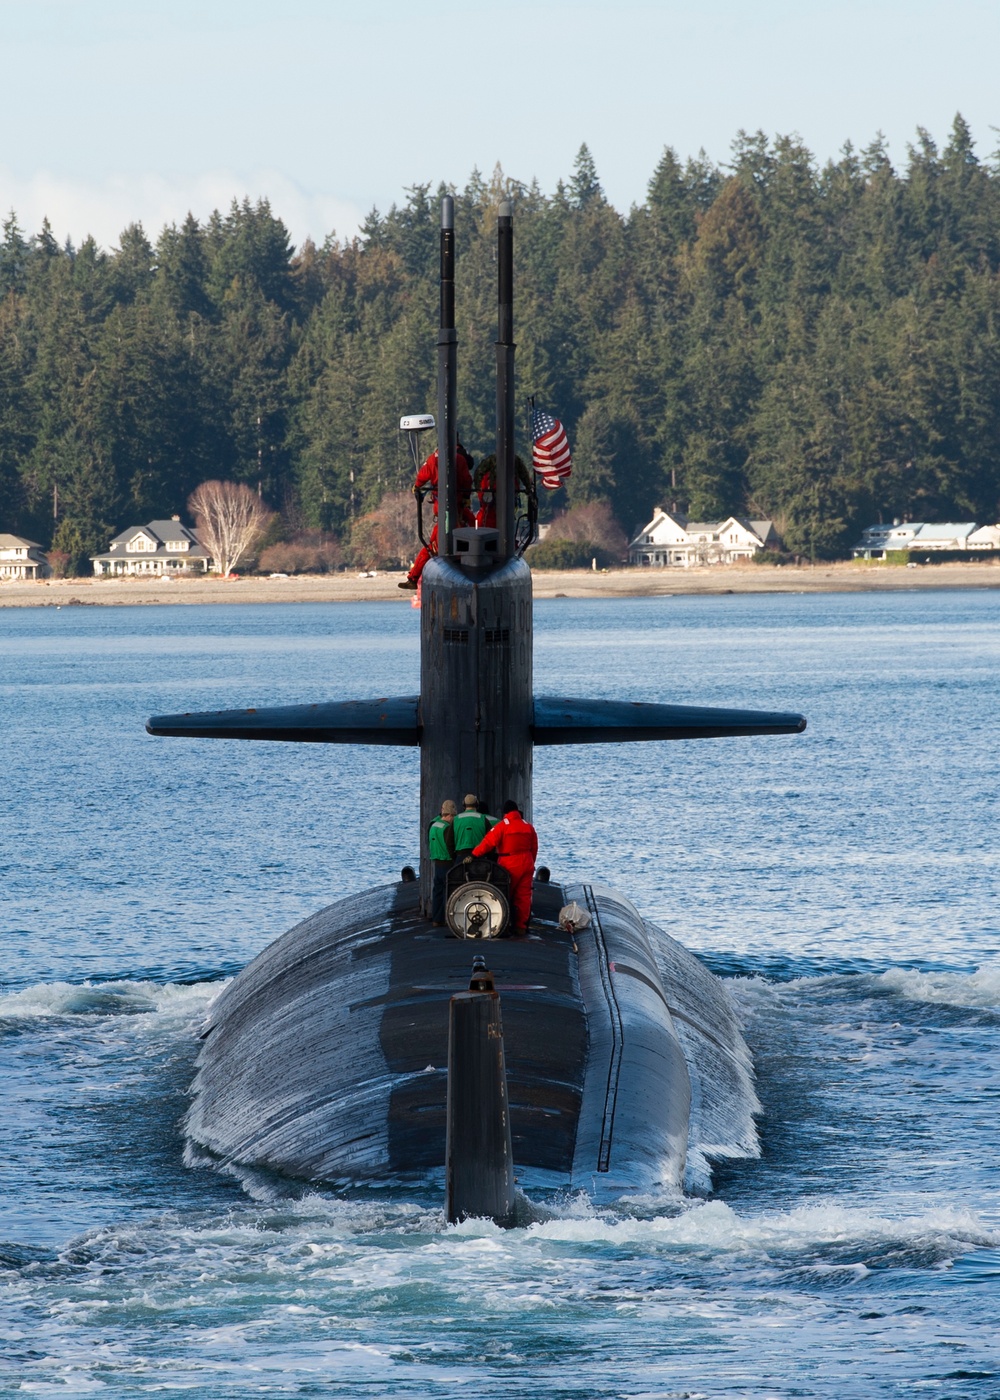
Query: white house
point(671, 540)
point(161, 547)
point(877, 539)
point(986, 537)
point(21, 558)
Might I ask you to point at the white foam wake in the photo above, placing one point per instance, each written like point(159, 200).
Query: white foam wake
point(716, 1227)
point(170, 1001)
point(980, 988)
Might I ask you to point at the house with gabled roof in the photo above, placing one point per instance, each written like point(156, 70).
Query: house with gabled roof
point(161, 547)
point(20, 558)
point(670, 539)
point(986, 537)
point(878, 540)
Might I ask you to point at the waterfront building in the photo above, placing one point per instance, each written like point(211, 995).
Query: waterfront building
point(20, 558)
point(161, 547)
point(879, 540)
point(671, 540)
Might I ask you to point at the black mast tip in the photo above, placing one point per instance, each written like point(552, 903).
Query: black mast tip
point(447, 212)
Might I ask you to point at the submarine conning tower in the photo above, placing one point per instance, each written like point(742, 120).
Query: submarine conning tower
point(476, 698)
point(476, 719)
point(476, 701)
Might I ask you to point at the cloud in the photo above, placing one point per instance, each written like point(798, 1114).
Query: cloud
point(103, 208)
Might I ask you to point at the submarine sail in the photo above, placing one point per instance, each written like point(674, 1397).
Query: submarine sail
point(326, 1058)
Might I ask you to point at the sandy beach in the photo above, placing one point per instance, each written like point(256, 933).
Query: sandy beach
point(847, 577)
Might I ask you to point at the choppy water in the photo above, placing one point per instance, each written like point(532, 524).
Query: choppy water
point(846, 881)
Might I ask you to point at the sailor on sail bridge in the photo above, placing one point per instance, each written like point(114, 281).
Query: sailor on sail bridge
point(427, 480)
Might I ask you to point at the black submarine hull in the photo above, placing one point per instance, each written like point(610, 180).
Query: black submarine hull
point(326, 1058)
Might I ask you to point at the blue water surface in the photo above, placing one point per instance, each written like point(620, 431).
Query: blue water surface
point(845, 881)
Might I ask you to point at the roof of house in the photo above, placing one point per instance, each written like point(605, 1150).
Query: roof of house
point(131, 533)
point(881, 532)
point(756, 527)
point(170, 530)
point(162, 530)
point(945, 531)
point(659, 515)
point(761, 528)
point(16, 542)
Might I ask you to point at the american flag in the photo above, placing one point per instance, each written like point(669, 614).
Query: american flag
point(550, 455)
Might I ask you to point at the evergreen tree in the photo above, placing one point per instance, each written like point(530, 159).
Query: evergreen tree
point(182, 270)
point(14, 253)
point(584, 187)
point(818, 345)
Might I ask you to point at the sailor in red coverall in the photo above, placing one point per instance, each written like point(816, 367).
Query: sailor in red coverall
point(516, 844)
point(428, 476)
point(486, 487)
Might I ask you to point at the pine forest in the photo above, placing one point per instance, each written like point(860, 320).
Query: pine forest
point(817, 345)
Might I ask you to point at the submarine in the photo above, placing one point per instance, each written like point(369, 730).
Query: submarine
point(367, 1046)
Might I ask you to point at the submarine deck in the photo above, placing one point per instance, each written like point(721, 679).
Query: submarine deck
point(326, 1058)
point(544, 1026)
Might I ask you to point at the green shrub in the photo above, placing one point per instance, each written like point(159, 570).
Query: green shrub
point(568, 554)
point(772, 556)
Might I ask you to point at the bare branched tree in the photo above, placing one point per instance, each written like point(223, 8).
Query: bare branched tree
point(230, 519)
point(593, 524)
point(386, 537)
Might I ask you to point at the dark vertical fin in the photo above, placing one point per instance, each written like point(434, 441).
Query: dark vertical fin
point(479, 1161)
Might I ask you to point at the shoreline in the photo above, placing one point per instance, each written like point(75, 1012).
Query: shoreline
point(841, 577)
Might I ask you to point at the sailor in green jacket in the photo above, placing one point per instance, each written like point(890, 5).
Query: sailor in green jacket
point(441, 849)
point(470, 826)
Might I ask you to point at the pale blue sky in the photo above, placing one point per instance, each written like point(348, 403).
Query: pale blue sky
point(118, 109)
